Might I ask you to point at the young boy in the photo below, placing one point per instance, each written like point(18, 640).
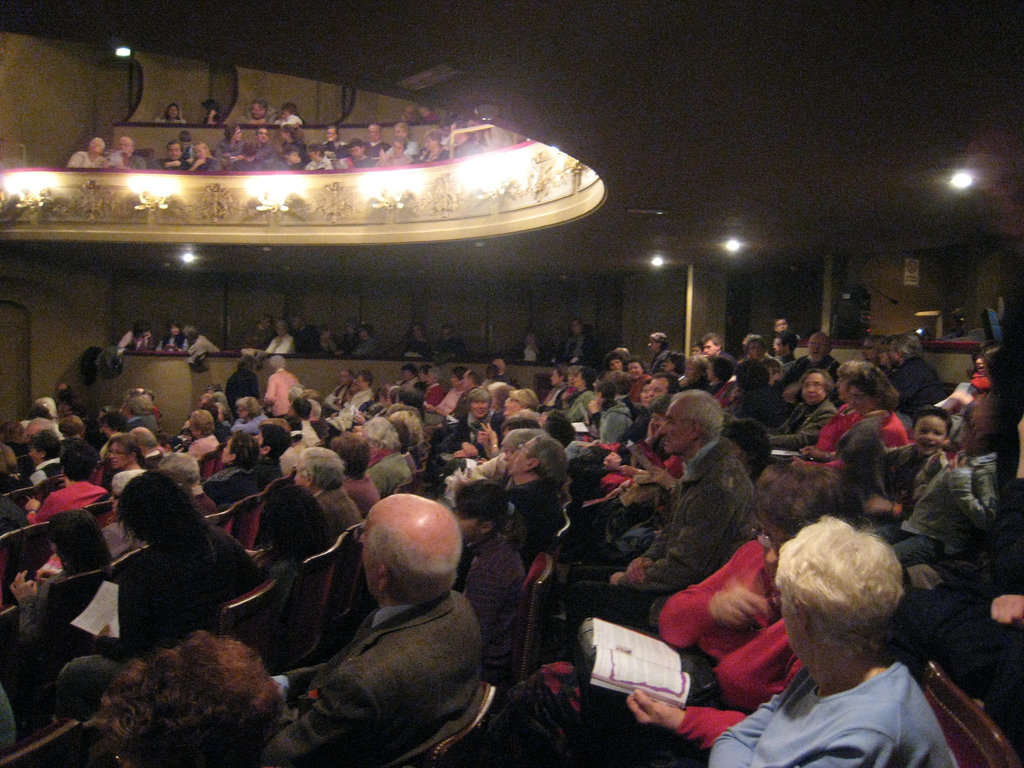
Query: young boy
point(954, 499)
point(317, 161)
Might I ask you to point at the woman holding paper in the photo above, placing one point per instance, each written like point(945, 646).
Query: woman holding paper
point(734, 616)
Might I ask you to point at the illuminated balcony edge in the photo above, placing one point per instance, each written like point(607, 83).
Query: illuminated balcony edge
point(520, 188)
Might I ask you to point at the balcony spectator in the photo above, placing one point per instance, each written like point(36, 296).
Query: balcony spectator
point(401, 131)
point(375, 144)
point(263, 157)
point(318, 161)
point(171, 114)
point(188, 151)
point(283, 343)
point(213, 112)
point(231, 149)
point(204, 162)
point(333, 144)
point(124, 158)
point(432, 150)
point(258, 112)
point(292, 137)
point(396, 156)
point(174, 160)
point(288, 114)
point(90, 158)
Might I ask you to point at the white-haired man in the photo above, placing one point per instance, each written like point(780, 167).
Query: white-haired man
point(710, 517)
point(410, 677)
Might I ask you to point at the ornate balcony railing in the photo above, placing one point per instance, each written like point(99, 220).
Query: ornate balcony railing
point(525, 186)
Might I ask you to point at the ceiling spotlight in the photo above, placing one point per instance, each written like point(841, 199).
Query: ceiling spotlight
point(961, 180)
point(123, 52)
point(188, 257)
point(732, 245)
point(657, 261)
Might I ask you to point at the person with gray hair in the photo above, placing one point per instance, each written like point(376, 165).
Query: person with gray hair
point(709, 518)
point(916, 381)
point(850, 704)
point(537, 474)
point(149, 445)
point(322, 471)
point(389, 468)
point(410, 677)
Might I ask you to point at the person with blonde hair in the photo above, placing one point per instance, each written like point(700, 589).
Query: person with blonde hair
point(200, 427)
point(850, 704)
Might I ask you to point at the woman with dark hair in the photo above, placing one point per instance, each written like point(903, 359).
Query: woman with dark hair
point(236, 480)
point(577, 397)
point(354, 451)
point(175, 340)
point(169, 589)
point(292, 139)
point(720, 385)
point(813, 411)
point(756, 399)
point(559, 383)
point(206, 702)
point(231, 149)
point(492, 533)
point(80, 547)
point(171, 114)
point(294, 527)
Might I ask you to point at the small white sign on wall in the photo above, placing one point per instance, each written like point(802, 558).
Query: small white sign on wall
point(912, 272)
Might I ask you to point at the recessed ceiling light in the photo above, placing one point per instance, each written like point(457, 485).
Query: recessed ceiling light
point(188, 257)
point(657, 261)
point(732, 245)
point(123, 52)
point(961, 180)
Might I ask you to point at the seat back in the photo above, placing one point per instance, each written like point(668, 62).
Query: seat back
point(66, 599)
point(211, 462)
point(45, 487)
point(526, 642)
point(279, 482)
point(976, 741)
point(245, 520)
point(347, 571)
point(223, 519)
point(36, 548)
point(58, 744)
point(462, 749)
point(117, 567)
point(103, 512)
point(252, 618)
point(307, 605)
point(10, 556)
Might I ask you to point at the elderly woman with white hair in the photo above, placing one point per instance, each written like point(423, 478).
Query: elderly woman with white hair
point(322, 471)
point(388, 467)
point(850, 705)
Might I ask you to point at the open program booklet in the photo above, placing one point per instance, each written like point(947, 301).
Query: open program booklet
point(625, 660)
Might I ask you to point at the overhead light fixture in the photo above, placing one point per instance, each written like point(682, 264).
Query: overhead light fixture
point(188, 257)
point(732, 245)
point(428, 77)
point(961, 180)
point(657, 261)
point(123, 52)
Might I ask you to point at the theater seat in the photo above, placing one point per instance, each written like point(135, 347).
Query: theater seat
point(462, 749)
point(58, 745)
point(253, 619)
point(975, 740)
point(526, 643)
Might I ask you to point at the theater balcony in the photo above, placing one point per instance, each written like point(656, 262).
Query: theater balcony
point(524, 186)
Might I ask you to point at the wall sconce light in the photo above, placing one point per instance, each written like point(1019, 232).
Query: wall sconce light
point(31, 189)
point(153, 192)
point(390, 190)
point(268, 203)
point(491, 177)
point(273, 193)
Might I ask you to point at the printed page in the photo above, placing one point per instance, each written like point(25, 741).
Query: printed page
point(101, 613)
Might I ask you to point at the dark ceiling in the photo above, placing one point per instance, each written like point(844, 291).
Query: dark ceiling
point(799, 127)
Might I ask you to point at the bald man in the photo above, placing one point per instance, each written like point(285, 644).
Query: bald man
point(410, 677)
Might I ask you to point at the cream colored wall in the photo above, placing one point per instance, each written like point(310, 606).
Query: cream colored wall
point(167, 79)
point(67, 314)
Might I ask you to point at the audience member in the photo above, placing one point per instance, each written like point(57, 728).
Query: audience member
point(169, 589)
point(836, 611)
point(205, 702)
point(812, 412)
point(184, 470)
point(78, 461)
point(491, 532)
point(388, 468)
point(917, 382)
point(124, 158)
point(322, 472)
point(92, 157)
point(410, 677)
point(277, 397)
point(375, 145)
point(237, 480)
point(354, 451)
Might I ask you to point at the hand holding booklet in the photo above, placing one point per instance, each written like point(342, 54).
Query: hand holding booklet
point(100, 616)
point(625, 660)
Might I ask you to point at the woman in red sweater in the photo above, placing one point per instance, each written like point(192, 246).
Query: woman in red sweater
point(734, 617)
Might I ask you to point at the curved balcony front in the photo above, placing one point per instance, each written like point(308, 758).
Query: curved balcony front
point(523, 187)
